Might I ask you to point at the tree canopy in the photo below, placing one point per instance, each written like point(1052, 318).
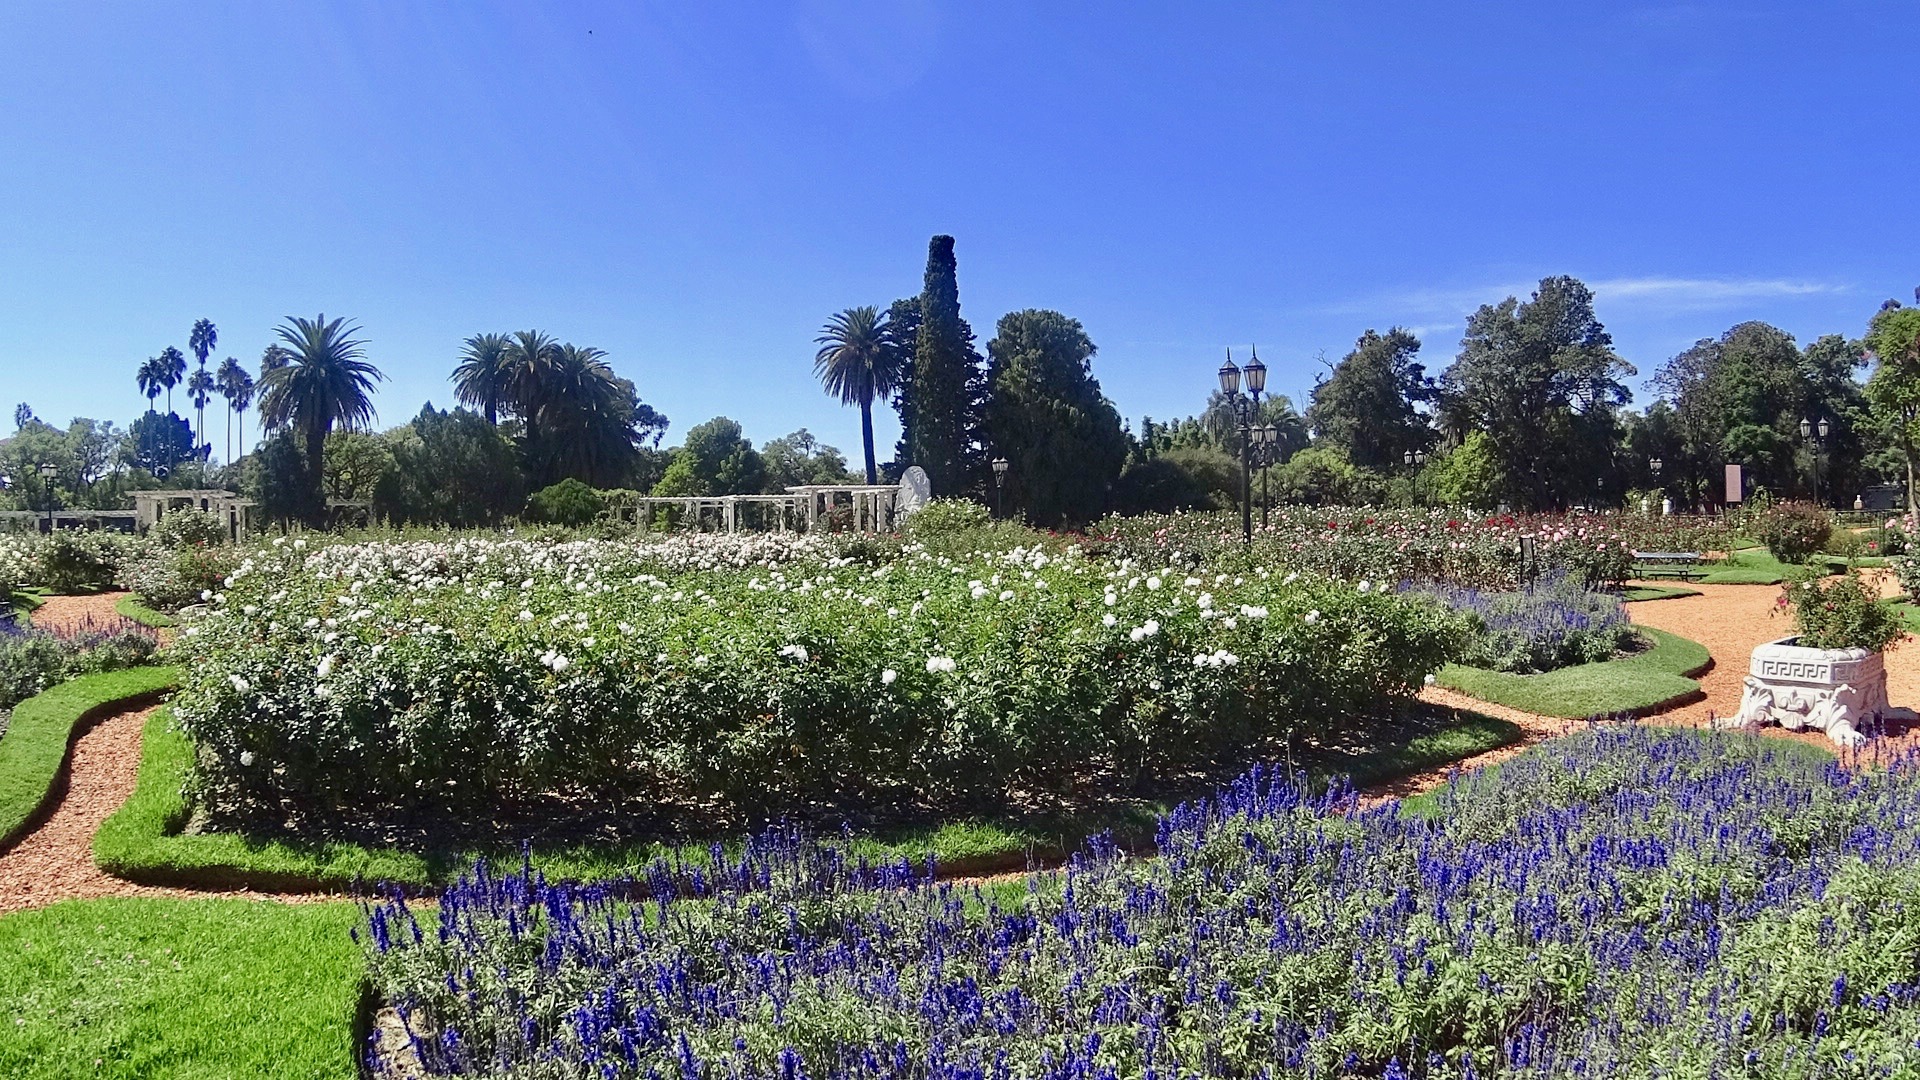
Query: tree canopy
point(1046, 415)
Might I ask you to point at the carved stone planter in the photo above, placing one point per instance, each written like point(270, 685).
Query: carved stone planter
point(1832, 690)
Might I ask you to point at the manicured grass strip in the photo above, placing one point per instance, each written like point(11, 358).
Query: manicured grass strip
point(184, 989)
point(1751, 566)
point(131, 606)
point(1633, 594)
point(143, 841)
point(28, 601)
point(1637, 684)
point(37, 738)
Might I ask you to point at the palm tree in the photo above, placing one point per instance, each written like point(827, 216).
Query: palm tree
point(150, 380)
point(857, 363)
point(172, 368)
point(483, 377)
point(237, 387)
point(200, 391)
point(272, 358)
point(327, 382)
point(530, 359)
point(585, 417)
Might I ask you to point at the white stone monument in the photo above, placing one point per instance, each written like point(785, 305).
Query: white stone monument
point(1830, 690)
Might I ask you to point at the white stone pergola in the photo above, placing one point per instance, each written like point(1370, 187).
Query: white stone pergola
point(807, 508)
point(150, 506)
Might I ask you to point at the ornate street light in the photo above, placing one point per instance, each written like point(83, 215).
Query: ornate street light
point(47, 471)
point(1266, 442)
point(999, 486)
point(1244, 407)
point(1818, 434)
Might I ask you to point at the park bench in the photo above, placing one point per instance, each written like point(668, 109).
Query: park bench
point(1684, 565)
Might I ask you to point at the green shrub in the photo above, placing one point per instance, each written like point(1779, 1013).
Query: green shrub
point(570, 502)
point(188, 527)
point(763, 674)
point(1793, 531)
point(172, 578)
point(73, 560)
point(1841, 614)
point(943, 517)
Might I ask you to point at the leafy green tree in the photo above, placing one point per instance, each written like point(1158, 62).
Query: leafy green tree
point(715, 459)
point(857, 363)
point(329, 383)
point(1322, 476)
point(1468, 475)
point(1829, 367)
point(1525, 374)
point(159, 443)
point(945, 387)
point(1046, 415)
point(1893, 340)
point(569, 502)
point(450, 468)
point(1366, 407)
point(483, 379)
point(279, 481)
point(355, 464)
point(1162, 485)
point(236, 386)
point(799, 458)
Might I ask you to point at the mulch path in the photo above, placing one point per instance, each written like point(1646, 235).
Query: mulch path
point(71, 614)
point(55, 861)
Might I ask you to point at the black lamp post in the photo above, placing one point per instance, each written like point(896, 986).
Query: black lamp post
point(1414, 460)
point(1266, 443)
point(999, 486)
point(1243, 407)
point(1818, 434)
point(46, 473)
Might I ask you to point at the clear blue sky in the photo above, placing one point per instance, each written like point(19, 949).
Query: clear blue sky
point(695, 187)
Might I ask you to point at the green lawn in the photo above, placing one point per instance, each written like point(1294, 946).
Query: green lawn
point(1636, 684)
point(1749, 566)
point(131, 606)
point(179, 989)
point(145, 841)
point(27, 601)
point(35, 745)
point(1633, 594)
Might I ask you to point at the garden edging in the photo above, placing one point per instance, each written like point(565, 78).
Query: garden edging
point(40, 738)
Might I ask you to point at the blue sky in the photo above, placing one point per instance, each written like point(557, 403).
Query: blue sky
point(695, 187)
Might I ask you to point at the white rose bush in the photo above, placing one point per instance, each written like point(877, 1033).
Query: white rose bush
point(763, 672)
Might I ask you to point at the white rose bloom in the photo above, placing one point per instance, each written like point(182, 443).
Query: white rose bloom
point(887, 677)
point(1312, 617)
point(239, 683)
point(1108, 619)
point(794, 652)
point(1153, 584)
point(246, 757)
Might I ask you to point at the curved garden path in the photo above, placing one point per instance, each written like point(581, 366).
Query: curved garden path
point(55, 861)
point(68, 614)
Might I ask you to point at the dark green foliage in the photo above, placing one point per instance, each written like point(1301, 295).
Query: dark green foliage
point(327, 383)
point(450, 468)
point(945, 378)
point(73, 562)
point(278, 481)
point(903, 320)
point(1365, 408)
point(715, 460)
point(1045, 415)
point(1793, 531)
point(1540, 378)
point(159, 443)
point(569, 502)
point(1160, 485)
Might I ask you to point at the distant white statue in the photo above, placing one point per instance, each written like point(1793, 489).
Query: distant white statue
point(915, 492)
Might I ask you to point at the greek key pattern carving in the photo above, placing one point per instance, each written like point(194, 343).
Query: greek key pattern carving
point(1796, 669)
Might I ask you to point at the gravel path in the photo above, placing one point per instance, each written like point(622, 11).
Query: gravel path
point(55, 861)
point(67, 614)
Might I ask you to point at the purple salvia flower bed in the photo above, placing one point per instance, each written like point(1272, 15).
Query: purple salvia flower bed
point(1622, 903)
point(1557, 622)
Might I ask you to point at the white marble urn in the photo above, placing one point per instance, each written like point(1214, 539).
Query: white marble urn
point(1837, 691)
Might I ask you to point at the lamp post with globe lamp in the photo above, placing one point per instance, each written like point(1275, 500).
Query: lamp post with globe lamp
point(1817, 434)
point(999, 486)
point(47, 471)
point(1244, 406)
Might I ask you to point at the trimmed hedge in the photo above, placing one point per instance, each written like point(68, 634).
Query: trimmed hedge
point(1636, 685)
point(43, 728)
point(143, 841)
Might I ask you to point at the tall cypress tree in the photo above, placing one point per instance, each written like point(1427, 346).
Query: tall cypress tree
point(947, 381)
